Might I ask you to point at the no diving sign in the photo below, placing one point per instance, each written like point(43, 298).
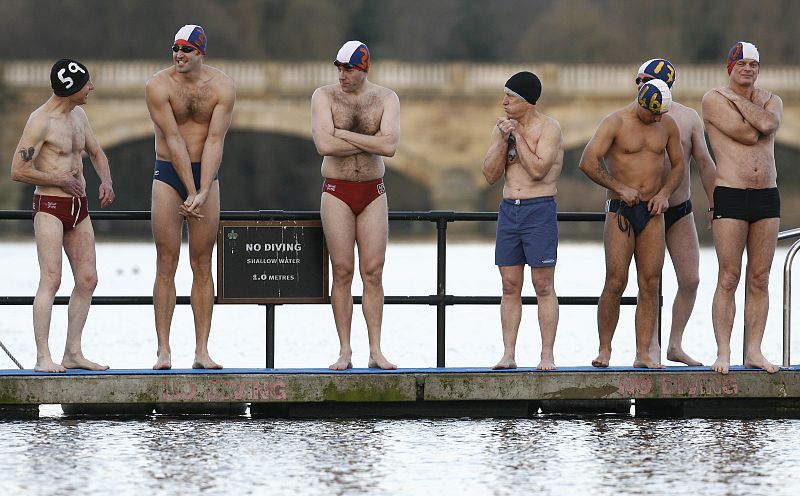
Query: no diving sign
point(272, 262)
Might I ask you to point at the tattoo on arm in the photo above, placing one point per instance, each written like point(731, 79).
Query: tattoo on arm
point(27, 153)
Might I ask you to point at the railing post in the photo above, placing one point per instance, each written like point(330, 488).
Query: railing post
point(787, 303)
point(441, 281)
point(270, 336)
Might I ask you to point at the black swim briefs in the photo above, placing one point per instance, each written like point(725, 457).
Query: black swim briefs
point(749, 204)
point(635, 217)
point(676, 213)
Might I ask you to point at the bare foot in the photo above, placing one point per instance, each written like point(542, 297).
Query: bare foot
point(759, 362)
point(205, 362)
point(678, 355)
point(80, 362)
point(505, 363)
point(164, 361)
point(380, 362)
point(647, 363)
point(48, 365)
point(342, 363)
point(655, 352)
point(602, 359)
point(546, 364)
point(721, 365)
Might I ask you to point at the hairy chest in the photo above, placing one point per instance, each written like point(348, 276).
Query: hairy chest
point(360, 115)
point(192, 103)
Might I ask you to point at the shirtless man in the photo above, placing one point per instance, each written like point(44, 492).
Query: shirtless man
point(355, 123)
point(49, 157)
point(191, 105)
point(742, 121)
point(526, 149)
point(681, 233)
point(632, 141)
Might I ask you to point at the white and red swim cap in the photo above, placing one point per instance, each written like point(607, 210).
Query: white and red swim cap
point(741, 50)
point(192, 35)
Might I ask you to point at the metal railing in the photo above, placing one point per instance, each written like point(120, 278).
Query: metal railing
point(441, 299)
point(787, 292)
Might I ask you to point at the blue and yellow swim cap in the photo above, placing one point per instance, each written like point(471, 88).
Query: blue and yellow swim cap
point(659, 69)
point(655, 96)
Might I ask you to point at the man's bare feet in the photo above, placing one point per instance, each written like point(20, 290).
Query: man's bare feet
point(721, 365)
point(678, 355)
point(344, 362)
point(48, 365)
point(655, 352)
point(647, 363)
point(205, 362)
point(602, 360)
point(760, 362)
point(506, 362)
point(380, 362)
point(80, 362)
point(546, 364)
point(164, 361)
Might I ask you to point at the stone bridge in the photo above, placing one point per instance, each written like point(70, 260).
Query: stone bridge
point(447, 109)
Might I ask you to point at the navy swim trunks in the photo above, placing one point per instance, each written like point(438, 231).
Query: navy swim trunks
point(676, 213)
point(635, 217)
point(751, 205)
point(165, 172)
point(527, 232)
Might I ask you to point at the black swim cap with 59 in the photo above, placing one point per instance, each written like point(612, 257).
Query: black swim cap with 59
point(68, 76)
point(526, 85)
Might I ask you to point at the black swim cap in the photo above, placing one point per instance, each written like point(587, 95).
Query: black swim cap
point(526, 85)
point(68, 76)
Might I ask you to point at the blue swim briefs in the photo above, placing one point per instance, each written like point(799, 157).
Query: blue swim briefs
point(527, 232)
point(630, 218)
point(165, 172)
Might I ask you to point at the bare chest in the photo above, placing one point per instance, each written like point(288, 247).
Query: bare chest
point(360, 115)
point(192, 103)
point(66, 137)
point(638, 138)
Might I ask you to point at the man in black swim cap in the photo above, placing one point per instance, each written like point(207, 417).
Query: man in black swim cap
point(49, 157)
point(527, 150)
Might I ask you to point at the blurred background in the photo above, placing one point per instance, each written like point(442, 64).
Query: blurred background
point(446, 59)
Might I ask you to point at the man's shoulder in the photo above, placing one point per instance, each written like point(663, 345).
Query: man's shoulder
point(383, 92)
point(713, 97)
point(550, 122)
point(218, 77)
point(160, 79)
point(326, 90)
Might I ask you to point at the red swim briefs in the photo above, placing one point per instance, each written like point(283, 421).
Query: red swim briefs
point(70, 210)
point(356, 194)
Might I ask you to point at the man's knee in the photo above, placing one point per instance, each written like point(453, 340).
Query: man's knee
point(648, 283)
point(615, 284)
point(729, 279)
point(543, 287)
point(50, 280)
point(689, 284)
point(342, 272)
point(512, 286)
point(86, 282)
point(372, 273)
point(758, 281)
point(167, 262)
point(201, 264)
